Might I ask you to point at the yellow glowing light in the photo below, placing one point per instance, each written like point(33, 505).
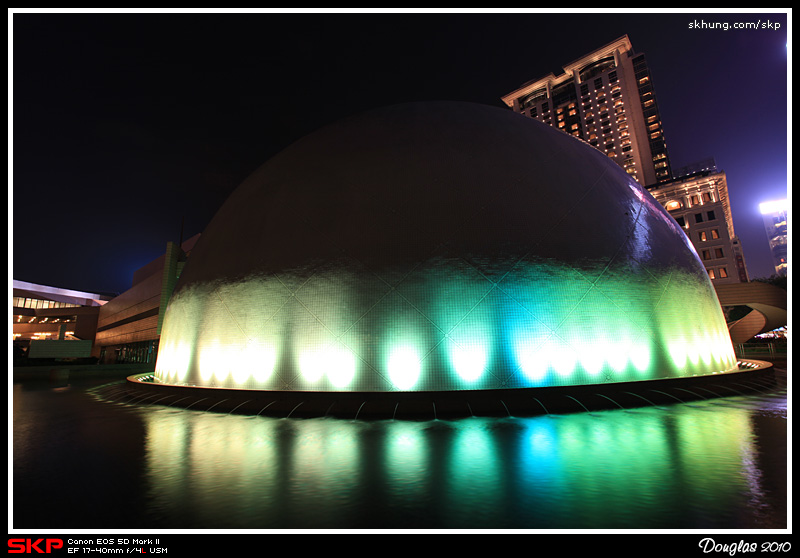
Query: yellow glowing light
point(694, 351)
point(209, 359)
point(706, 349)
point(341, 367)
point(337, 362)
point(312, 365)
point(241, 368)
point(172, 361)
point(260, 359)
point(678, 352)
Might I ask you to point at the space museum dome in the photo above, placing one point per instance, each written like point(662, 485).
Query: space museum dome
point(439, 248)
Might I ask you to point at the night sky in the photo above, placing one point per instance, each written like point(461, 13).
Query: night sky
point(128, 125)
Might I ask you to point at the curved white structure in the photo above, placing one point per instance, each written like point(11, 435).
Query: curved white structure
point(440, 247)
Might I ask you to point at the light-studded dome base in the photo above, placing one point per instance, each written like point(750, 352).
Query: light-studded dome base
point(750, 377)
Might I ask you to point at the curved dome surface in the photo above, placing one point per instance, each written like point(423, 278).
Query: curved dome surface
point(435, 247)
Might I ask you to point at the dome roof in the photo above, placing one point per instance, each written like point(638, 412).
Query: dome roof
point(440, 246)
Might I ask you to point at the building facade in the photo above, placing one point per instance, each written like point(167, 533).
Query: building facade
point(700, 204)
point(776, 218)
point(607, 99)
point(51, 322)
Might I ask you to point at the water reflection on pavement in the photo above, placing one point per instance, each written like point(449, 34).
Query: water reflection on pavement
point(83, 460)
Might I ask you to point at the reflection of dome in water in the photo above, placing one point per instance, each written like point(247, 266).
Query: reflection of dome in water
point(438, 247)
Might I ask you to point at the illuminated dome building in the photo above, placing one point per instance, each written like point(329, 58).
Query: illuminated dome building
point(438, 254)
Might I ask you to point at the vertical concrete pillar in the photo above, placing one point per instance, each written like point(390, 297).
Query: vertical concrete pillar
point(169, 278)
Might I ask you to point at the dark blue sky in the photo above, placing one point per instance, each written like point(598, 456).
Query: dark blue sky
point(127, 125)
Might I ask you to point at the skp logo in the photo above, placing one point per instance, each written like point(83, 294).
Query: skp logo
point(29, 546)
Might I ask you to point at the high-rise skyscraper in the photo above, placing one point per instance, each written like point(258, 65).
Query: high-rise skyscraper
point(607, 99)
point(775, 215)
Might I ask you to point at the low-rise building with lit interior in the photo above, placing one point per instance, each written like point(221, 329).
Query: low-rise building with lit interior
point(54, 323)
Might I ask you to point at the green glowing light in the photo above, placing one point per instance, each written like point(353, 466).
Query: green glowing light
point(639, 355)
point(469, 363)
point(468, 358)
point(404, 367)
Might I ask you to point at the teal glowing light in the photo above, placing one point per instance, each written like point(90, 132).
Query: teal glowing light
point(562, 357)
point(529, 359)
